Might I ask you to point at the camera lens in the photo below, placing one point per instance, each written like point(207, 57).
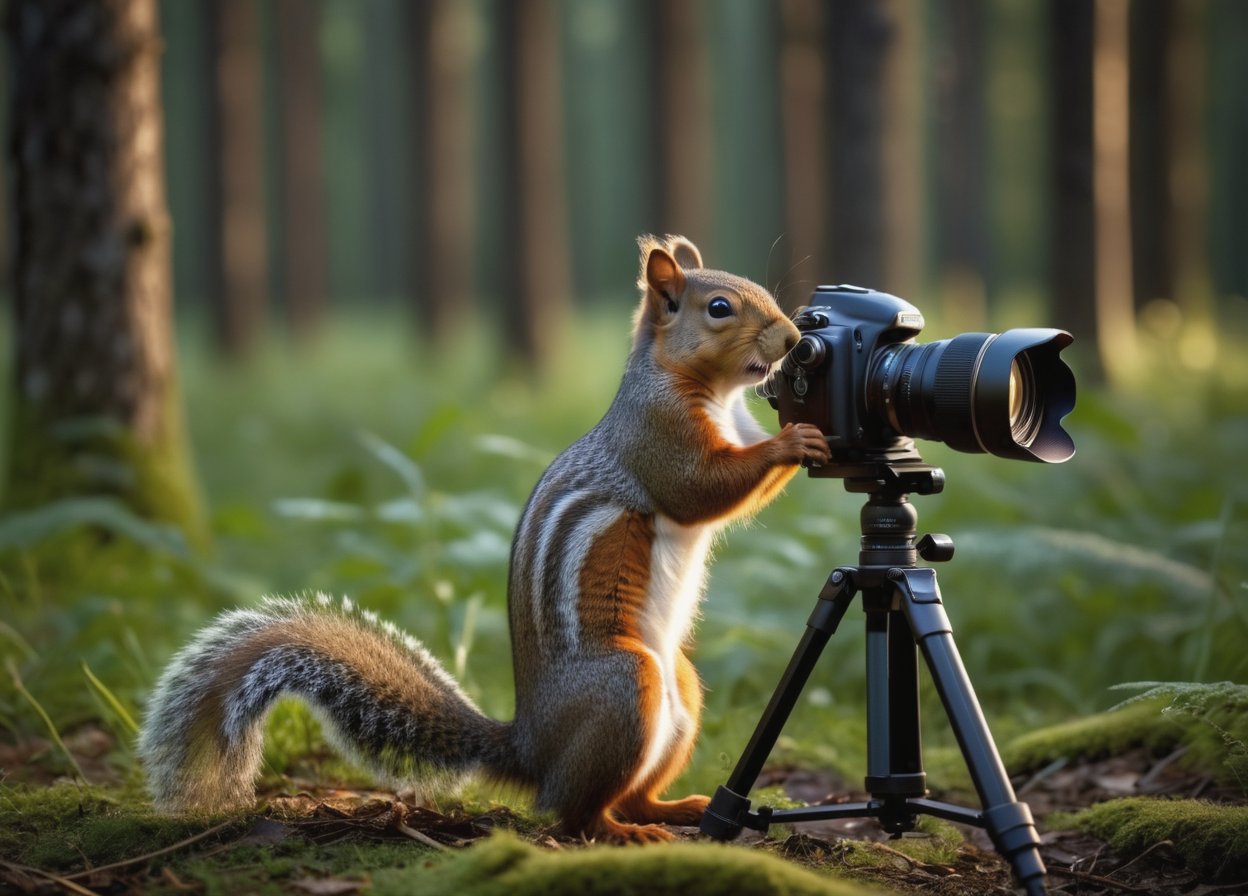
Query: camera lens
point(1003, 394)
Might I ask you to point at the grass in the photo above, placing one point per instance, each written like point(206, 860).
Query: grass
point(371, 466)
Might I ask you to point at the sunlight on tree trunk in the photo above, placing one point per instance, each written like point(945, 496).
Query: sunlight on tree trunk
point(97, 410)
point(1115, 309)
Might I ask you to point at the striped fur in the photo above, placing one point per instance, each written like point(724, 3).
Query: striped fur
point(384, 701)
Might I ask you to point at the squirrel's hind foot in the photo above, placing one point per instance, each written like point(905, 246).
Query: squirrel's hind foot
point(608, 830)
point(686, 812)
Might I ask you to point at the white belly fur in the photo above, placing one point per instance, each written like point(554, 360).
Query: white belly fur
point(677, 575)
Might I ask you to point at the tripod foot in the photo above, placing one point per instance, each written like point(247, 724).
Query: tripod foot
point(723, 819)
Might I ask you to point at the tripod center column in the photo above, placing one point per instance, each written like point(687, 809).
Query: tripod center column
point(889, 522)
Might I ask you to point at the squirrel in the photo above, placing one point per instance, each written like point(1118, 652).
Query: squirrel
point(606, 574)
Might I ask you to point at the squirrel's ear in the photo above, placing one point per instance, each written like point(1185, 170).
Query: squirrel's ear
point(684, 251)
point(664, 277)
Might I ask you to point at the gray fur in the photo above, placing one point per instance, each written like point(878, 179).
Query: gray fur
point(212, 770)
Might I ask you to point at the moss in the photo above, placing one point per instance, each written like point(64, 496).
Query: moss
point(502, 864)
point(1211, 838)
point(1211, 720)
point(64, 826)
point(53, 459)
point(1138, 724)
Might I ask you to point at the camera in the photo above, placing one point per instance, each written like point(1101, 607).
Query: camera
point(859, 376)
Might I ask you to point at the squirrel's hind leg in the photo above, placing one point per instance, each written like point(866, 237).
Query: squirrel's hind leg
point(643, 805)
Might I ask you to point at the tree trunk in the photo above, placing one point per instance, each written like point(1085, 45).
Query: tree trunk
point(680, 109)
point(960, 229)
point(859, 36)
point(1115, 311)
point(243, 258)
point(1151, 23)
point(536, 252)
point(902, 131)
point(803, 79)
point(1072, 247)
point(96, 409)
point(305, 243)
point(1187, 151)
point(443, 31)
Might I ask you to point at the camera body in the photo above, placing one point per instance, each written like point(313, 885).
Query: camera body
point(859, 376)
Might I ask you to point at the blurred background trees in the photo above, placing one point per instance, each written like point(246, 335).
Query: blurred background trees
point(403, 263)
point(484, 163)
point(1066, 162)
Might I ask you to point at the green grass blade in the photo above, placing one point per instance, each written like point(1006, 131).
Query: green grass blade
point(20, 687)
point(111, 699)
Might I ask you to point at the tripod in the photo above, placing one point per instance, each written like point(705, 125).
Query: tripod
point(903, 609)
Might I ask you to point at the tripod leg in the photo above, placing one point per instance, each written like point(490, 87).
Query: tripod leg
point(894, 751)
point(1007, 820)
point(724, 816)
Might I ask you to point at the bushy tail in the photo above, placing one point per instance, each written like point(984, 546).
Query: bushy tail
point(385, 701)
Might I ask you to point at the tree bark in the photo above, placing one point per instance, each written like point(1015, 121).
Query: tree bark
point(803, 80)
point(1151, 23)
point(1115, 311)
point(536, 254)
point(443, 30)
point(1072, 247)
point(305, 241)
point(960, 233)
point(243, 240)
point(859, 36)
point(680, 108)
point(96, 409)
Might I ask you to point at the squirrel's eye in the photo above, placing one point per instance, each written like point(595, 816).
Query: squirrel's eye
point(719, 307)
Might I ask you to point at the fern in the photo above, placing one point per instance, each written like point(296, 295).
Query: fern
point(1219, 742)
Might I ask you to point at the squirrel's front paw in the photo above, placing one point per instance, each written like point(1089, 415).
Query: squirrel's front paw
point(804, 443)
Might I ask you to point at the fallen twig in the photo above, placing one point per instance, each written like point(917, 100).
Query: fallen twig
point(64, 882)
point(124, 863)
point(418, 836)
point(1097, 878)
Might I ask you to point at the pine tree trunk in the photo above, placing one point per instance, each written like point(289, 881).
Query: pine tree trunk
point(243, 258)
point(1072, 246)
point(859, 37)
point(305, 249)
point(442, 30)
point(680, 105)
point(960, 226)
point(537, 255)
point(96, 410)
point(803, 67)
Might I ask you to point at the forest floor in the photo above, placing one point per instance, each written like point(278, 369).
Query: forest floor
point(306, 839)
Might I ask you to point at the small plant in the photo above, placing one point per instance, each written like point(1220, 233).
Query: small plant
point(1219, 740)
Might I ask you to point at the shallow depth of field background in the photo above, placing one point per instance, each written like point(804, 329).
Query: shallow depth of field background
point(403, 263)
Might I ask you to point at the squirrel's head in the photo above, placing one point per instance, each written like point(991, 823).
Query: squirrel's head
point(725, 330)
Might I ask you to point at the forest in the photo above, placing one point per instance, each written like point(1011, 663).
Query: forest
point(303, 296)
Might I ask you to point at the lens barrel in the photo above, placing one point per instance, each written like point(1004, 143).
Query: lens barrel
point(1003, 394)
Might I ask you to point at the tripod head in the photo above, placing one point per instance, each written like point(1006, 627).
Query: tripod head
point(888, 519)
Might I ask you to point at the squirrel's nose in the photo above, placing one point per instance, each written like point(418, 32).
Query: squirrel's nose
point(790, 340)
